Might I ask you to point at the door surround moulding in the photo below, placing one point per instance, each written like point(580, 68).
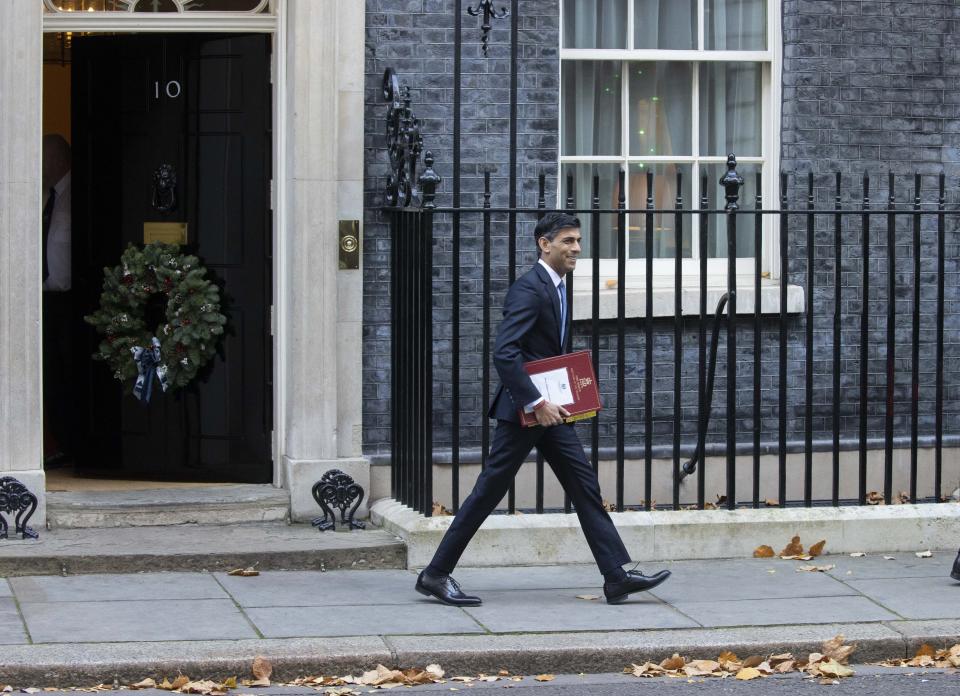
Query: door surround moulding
point(226, 22)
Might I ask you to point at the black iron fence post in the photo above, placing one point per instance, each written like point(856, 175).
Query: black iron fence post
point(731, 182)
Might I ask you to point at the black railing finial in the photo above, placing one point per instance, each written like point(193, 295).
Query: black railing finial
point(404, 141)
point(731, 182)
point(429, 181)
point(486, 8)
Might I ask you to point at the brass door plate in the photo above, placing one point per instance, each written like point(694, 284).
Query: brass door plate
point(349, 245)
point(166, 232)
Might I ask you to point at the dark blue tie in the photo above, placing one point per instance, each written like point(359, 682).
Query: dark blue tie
point(562, 288)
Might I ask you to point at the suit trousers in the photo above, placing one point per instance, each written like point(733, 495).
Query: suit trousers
point(561, 448)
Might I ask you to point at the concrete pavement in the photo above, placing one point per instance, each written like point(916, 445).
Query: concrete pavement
point(80, 629)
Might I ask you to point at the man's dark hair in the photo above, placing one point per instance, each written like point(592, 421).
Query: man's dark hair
point(551, 223)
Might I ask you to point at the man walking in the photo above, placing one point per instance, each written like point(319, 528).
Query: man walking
point(536, 325)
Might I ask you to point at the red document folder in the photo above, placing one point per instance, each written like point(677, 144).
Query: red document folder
point(566, 380)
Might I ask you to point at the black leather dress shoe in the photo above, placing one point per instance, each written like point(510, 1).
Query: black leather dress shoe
point(617, 592)
point(955, 573)
point(446, 589)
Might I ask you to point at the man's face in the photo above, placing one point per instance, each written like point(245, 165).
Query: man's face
point(561, 253)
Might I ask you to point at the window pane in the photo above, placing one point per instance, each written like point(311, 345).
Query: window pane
point(717, 227)
point(591, 108)
point(664, 196)
point(583, 193)
point(660, 109)
point(594, 23)
point(668, 24)
point(730, 109)
point(735, 25)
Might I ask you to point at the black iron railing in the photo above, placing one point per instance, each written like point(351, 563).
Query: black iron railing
point(417, 350)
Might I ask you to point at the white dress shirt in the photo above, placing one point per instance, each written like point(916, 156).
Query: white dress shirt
point(58, 239)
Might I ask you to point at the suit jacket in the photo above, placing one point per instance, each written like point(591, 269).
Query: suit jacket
point(530, 330)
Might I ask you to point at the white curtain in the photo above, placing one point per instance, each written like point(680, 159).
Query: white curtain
point(668, 24)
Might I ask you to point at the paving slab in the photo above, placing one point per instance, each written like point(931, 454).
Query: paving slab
point(11, 625)
point(876, 566)
point(186, 620)
point(310, 588)
point(771, 612)
point(5, 590)
point(560, 610)
point(914, 598)
point(92, 588)
point(744, 579)
point(422, 618)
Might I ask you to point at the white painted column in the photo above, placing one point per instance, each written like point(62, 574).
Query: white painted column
point(325, 44)
point(21, 64)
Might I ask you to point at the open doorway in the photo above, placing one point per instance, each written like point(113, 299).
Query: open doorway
point(119, 108)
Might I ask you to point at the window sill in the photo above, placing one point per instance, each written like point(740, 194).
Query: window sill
point(635, 297)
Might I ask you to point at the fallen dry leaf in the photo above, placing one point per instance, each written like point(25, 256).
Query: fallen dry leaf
point(250, 572)
point(230, 682)
point(147, 683)
point(832, 668)
point(817, 548)
point(179, 682)
point(794, 548)
point(166, 685)
point(834, 649)
point(544, 677)
point(901, 498)
point(588, 597)
point(923, 554)
point(764, 551)
point(673, 663)
point(770, 502)
point(748, 673)
point(874, 498)
point(439, 510)
point(816, 568)
point(647, 669)
point(701, 668)
point(261, 667)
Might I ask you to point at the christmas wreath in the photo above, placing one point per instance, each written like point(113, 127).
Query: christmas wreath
point(179, 346)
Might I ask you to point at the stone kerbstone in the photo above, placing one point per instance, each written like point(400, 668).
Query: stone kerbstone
point(505, 540)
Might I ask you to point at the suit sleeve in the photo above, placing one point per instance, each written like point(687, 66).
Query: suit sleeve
point(520, 312)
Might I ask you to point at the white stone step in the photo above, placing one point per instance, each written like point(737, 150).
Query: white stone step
point(219, 505)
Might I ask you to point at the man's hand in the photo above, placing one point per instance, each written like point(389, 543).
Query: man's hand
point(550, 414)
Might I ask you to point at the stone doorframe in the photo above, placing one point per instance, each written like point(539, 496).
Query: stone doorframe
point(318, 180)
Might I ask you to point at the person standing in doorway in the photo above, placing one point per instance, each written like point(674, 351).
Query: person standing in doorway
point(536, 325)
point(58, 412)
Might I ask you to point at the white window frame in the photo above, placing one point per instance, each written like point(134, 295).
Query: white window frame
point(771, 61)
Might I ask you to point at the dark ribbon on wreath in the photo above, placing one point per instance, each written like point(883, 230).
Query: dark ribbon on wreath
point(148, 366)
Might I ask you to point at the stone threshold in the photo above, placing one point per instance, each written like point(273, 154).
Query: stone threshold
point(556, 538)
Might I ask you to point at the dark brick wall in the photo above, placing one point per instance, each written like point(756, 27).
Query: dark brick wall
point(867, 86)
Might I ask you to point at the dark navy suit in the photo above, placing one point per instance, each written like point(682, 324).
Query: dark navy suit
point(531, 330)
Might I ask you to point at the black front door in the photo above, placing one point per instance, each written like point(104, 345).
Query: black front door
point(201, 104)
